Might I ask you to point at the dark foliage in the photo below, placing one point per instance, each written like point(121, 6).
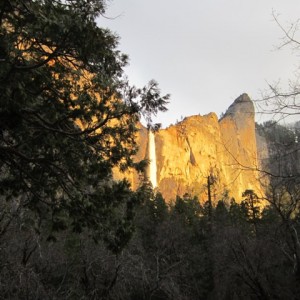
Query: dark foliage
point(174, 253)
point(67, 118)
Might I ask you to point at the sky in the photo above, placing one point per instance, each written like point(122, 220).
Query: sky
point(205, 53)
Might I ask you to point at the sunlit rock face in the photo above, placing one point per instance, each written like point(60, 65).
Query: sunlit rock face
point(186, 153)
point(199, 146)
point(132, 176)
point(237, 129)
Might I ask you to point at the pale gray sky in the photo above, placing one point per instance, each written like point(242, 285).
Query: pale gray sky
point(205, 53)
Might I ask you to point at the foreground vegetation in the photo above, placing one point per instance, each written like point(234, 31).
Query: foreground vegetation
point(177, 251)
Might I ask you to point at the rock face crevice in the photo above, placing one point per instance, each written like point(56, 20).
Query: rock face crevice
point(199, 146)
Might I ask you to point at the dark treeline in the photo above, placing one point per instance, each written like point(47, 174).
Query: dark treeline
point(176, 251)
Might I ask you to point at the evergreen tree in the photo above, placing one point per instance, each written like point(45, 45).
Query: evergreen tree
point(251, 209)
point(67, 115)
point(221, 215)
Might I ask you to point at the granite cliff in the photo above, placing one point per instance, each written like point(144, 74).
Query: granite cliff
point(199, 146)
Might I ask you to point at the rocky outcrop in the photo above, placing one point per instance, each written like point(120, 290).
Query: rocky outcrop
point(200, 146)
point(240, 149)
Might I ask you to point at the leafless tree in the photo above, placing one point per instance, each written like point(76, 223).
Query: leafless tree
point(278, 102)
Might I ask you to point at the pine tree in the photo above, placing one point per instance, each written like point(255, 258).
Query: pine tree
point(67, 115)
